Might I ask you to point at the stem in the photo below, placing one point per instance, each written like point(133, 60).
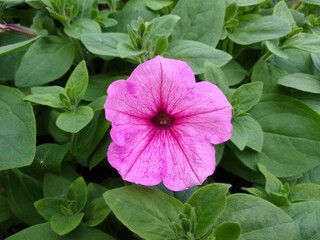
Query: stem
point(79, 53)
point(74, 140)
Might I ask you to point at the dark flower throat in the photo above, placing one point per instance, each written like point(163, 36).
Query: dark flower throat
point(162, 119)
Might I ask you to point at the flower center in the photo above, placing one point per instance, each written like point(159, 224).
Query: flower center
point(162, 119)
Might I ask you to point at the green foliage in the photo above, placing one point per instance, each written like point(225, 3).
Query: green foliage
point(18, 121)
point(257, 218)
point(46, 60)
point(199, 22)
point(151, 213)
point(57, 58)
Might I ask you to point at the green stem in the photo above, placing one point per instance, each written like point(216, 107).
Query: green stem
point(74, 140)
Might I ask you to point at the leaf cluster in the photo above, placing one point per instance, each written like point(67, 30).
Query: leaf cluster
point(57, 59)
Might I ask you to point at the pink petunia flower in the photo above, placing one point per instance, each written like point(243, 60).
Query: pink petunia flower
point(164, 125)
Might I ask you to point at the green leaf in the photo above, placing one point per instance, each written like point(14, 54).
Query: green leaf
point(49, 207)
point(305, 41)
point(196, 54)
point(18, 131)
point(281, 10)
point(96, 212)
point(316, 59)
point(247, 95)
point(257, 218)
point(55, 186)
point(89, 137)
point(312, 176)
point(161, 45)
point(58, 135)
point(45, 61)
point(22, 191)
point(199, 22)
point(151, 213)
point(48, 96)
point(62, 225)
point(253, 130)
point(239, 134)
point(100, 153)
point(163, 26)
point(227, 231)
point(234, 72)
point(299, 61)
point(275, 49)
point(104, 44)
point(78, 192)
point(272, 184)
point(305, 192)
point(244, 3)
point(209, 203)
point(82, 26)
point(85, 8)
point(49, 157)
point(78, 82)
point(10, 64)
point(15, 46)
point(95, 191)
point(306, 217)
point(268, 73)
point(301, 81)
point(44, 231)
point(231, 12)
point(98, 85)
point(73, 122)
point(312, 100)
point(315, 2)
point(5, 212)
point(255, 30)
point(214, 74)
point(158, 5)
point(289, 127)
point(126, 50)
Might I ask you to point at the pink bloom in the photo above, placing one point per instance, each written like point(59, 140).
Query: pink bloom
point(164, 125)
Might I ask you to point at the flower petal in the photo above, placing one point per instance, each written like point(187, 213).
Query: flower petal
point(208, 113)
point(189, 160)
point(175, 156)
point(136, 100)
point(160, 77)
point(140, 160)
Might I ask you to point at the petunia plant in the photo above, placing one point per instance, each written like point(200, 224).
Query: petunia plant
point(159, 119)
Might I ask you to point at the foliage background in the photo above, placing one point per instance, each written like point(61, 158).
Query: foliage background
point(58, 58)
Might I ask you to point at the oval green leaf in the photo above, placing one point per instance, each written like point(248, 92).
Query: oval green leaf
point(62, 224)
point(82, 26)
point(301, 81)
point(151, 213)
point(305, 192)
point(209, 203)
point(104, 44)
point(257, 218)
point(197, 53)
point(15, 46)
point(306, 217)
point(78, 82)
point(45, 61)
point(291, 132)
point(199, 22)
point(250, 31)
point(18, 131)
point(305, 41)
point(73, 122)
point(44, 231)
point(244, 3)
